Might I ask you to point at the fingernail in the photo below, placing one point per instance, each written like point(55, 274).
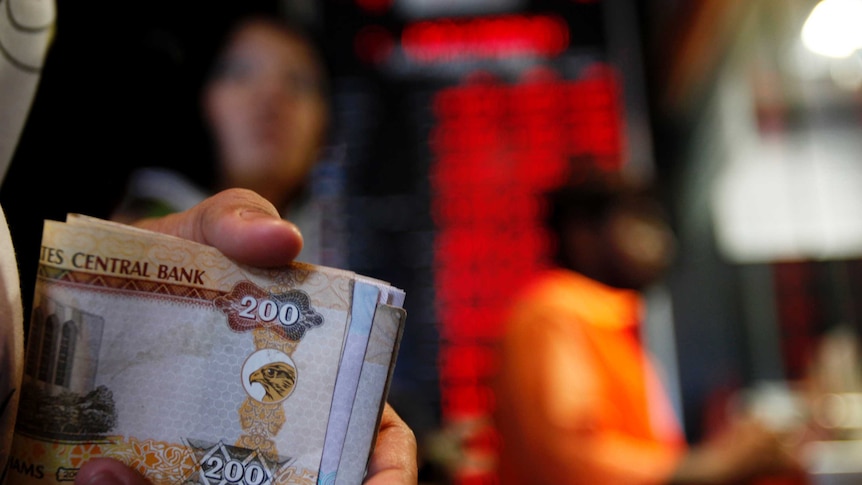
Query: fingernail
point(251, 214)
point(296, 229)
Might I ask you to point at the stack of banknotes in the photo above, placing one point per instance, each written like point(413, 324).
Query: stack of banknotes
point(170, 357)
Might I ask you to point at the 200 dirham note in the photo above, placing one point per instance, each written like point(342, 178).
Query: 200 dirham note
point(190, 368)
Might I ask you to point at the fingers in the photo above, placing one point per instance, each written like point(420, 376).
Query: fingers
point(394, 459)
point(107, 471)
point(748, 448)
point(238, 222)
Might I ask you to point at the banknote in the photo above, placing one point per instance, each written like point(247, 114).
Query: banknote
point(353, 363)
point(189, 367)
point(364, 302)
point(372, 387)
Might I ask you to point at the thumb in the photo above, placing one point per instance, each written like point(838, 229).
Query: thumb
point(239, 223)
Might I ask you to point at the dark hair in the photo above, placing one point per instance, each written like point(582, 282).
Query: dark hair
point(589, 206)
point(223, 29)
point(586, 204)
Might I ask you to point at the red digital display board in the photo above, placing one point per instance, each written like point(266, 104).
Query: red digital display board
point(497, 148)
point(477, 114)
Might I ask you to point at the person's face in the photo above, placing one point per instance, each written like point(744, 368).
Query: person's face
point(267, 110)
point(630, 247)
point(641, 244)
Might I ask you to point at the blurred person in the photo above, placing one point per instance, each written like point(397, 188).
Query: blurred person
point(265, 107)
point(241, 223)
point(578, 399)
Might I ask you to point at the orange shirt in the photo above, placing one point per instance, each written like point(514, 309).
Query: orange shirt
point(578, 402)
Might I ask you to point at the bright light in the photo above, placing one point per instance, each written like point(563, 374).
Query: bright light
point(832, 28)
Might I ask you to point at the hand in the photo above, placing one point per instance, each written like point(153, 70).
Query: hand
point(744, 450)
point(394, 459)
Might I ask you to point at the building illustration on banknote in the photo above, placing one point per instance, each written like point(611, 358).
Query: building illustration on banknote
point(60, 374)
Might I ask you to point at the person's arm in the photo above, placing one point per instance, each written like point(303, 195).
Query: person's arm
point(248, 229)
point(744, 450)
